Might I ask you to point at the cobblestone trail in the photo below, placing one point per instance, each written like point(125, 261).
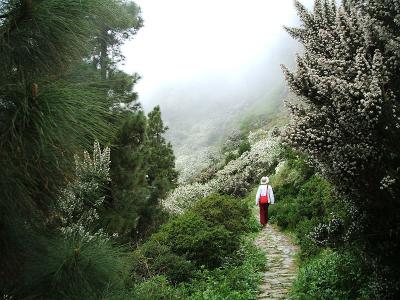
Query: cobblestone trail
point(281, 266)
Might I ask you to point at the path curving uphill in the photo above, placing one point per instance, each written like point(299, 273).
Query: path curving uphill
point(281, 266)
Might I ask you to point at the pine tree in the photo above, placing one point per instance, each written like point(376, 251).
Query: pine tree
point(161, 155)
point(161, 173)
point(45, 117)
point(107, 51)
point(347, 118)
point(129, 190)
point(142, 172)
point(39, 40)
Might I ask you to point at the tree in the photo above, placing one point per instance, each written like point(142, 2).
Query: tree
point(113, 33)
point(45, 116)
point(40, 114)
point(347, 118)
point(161, 173)
point(129, 188)
point(142, 172)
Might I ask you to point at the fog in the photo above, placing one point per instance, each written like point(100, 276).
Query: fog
point(208, 63)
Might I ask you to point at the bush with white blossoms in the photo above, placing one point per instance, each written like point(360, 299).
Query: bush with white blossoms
point(257, 135)
point(238, 175)
point(235, 179)
point(79, 201)
point(184, 196)
point(347, 118)
point(233, 140)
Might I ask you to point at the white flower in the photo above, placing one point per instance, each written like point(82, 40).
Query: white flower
point(79, 201)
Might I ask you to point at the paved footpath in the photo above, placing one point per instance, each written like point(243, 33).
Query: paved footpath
point(281, 266)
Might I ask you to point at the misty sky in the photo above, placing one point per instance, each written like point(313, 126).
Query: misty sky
point(186, 41)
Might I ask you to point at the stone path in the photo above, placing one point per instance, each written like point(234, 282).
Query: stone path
point(281, 266)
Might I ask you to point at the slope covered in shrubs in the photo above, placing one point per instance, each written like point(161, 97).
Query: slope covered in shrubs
point(236, 178)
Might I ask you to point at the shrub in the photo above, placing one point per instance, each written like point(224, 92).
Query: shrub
point(201, 255)
point(201, 241)
point(238, 279)
point(207, 235)
point(154, 258)
point(305, 203)
point(206, 174)
point(279, 212)
point(79, 202)
point(233, 213)
point(346, 114)
point(314, 198)
point(184, 196)
point(332, 275)
point(157, 288)
point(186, 242)
point(81, 262)
point(308, 246)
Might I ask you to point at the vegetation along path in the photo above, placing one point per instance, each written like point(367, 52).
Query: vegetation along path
point(281, 266)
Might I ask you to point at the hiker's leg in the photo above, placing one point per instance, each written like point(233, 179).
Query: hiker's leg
point(262, 214)
point(266, 213)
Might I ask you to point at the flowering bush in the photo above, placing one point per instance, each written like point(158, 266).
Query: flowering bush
point(184, 196)
point(83, 262)
point(79, 201)
point(348, 121)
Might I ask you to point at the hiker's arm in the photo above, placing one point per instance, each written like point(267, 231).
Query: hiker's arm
point(271, 195)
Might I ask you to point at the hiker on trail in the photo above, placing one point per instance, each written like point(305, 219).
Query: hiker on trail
point(264, 197)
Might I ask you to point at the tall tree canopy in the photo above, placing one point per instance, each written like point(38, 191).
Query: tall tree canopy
point(45, 117)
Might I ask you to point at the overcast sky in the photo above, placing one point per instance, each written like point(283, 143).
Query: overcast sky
point(184, 41)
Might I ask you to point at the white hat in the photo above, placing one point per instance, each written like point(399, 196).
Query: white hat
point(264, 180)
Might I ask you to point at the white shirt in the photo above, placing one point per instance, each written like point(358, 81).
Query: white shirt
point(263, 190)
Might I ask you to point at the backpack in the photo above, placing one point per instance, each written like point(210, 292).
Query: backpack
point(264, 199)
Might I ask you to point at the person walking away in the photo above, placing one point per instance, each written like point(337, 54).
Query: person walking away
point(264, 197)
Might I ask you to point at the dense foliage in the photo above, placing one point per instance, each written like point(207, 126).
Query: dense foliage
point(202, 253)
point(335, 275)
point(204, 235)
point(78, 260)
point(347, 119)
point(309, 208)
point(45, 118)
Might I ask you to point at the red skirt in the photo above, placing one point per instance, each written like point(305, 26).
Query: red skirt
point(264, 213)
